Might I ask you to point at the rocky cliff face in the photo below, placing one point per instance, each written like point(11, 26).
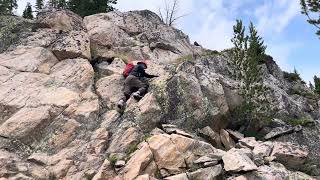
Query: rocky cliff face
point(60, 81)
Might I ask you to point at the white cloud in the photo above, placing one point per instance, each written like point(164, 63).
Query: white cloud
point(22, 5)
point(274, 16)
point(215, 34)
point(127, 5)
point(153, 5)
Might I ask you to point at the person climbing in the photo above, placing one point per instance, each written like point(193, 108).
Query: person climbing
point(135, 84)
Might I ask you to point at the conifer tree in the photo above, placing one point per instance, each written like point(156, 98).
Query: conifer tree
point(85, 7)
point(7, 7)
point(311, 86)
point(27, 13)
point(39, 5)
point(311, 8)
point(317, 84)
point(53, 3)
point(247, 54)
point(61, 4)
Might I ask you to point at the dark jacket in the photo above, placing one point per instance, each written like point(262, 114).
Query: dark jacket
point(138, 71)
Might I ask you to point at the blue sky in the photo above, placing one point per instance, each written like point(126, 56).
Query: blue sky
point(289, 38)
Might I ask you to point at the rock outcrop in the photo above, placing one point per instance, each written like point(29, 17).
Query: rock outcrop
point(61, 78)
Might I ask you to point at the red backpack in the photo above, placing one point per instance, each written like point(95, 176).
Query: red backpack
point(127, 69)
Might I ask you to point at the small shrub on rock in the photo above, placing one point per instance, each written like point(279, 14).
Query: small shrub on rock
point(292, 77)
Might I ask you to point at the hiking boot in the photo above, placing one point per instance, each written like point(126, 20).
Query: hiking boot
point(137, 95)
point(121, 104)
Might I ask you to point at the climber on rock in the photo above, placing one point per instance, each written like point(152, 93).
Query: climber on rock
point(135, 83)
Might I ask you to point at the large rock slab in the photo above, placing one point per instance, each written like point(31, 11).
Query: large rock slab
point(211, 136)
point(210, 173)
point(193, 100)
point(274, 171)
point(226, 140)
point(27, 123)
point(289, 154)
point(248, 142)
point(106, 68)
point(139, 33)
point(64, 20)
point(74, 44)
point(29, 59)
point(164, 156)
point(235, 135)
point(147, 113)
point(75, 74)
point(263, 149)
point(139, 162)
point(110, 90)
point(105, 171)
point(125, 138)
point(168, 159)
point(309, 138)
point(235, 161)
point(64, 45)
point(44, 101)
point(278, 131)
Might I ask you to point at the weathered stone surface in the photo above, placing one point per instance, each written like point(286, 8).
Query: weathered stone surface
point(289, 154)
point(263, 149)
point(145, 177)
point(278, 132)
point(203, 159)
point(235, 135)
point(236, 161)
point(64, 135)
point(74, 44)
point(210, 173)
point(248, 152)
point(44, 102)
point(64, 45)
point(85, 111)
point(166, 155)
point(109, 90)
point(111, 120)
point(211, 136)
point(105, 172)
point(147, 113)
point(274, 171)
point(76, 74)
point(308, 138)
point(106, 68)
point(249, 142)
point(189, 94)
point(182, 176)
point(172, 129)
point(41, 38)
point(29, 59)
point(123, 139)
point(171, 154)
point(211, 163)
point(39, 158)
point(64, 20)
point(226, 140)
point(61, 169)
point(25, 124)
point(137, 33)
point(139, 162)
point(157, 131)
point(101, 134)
